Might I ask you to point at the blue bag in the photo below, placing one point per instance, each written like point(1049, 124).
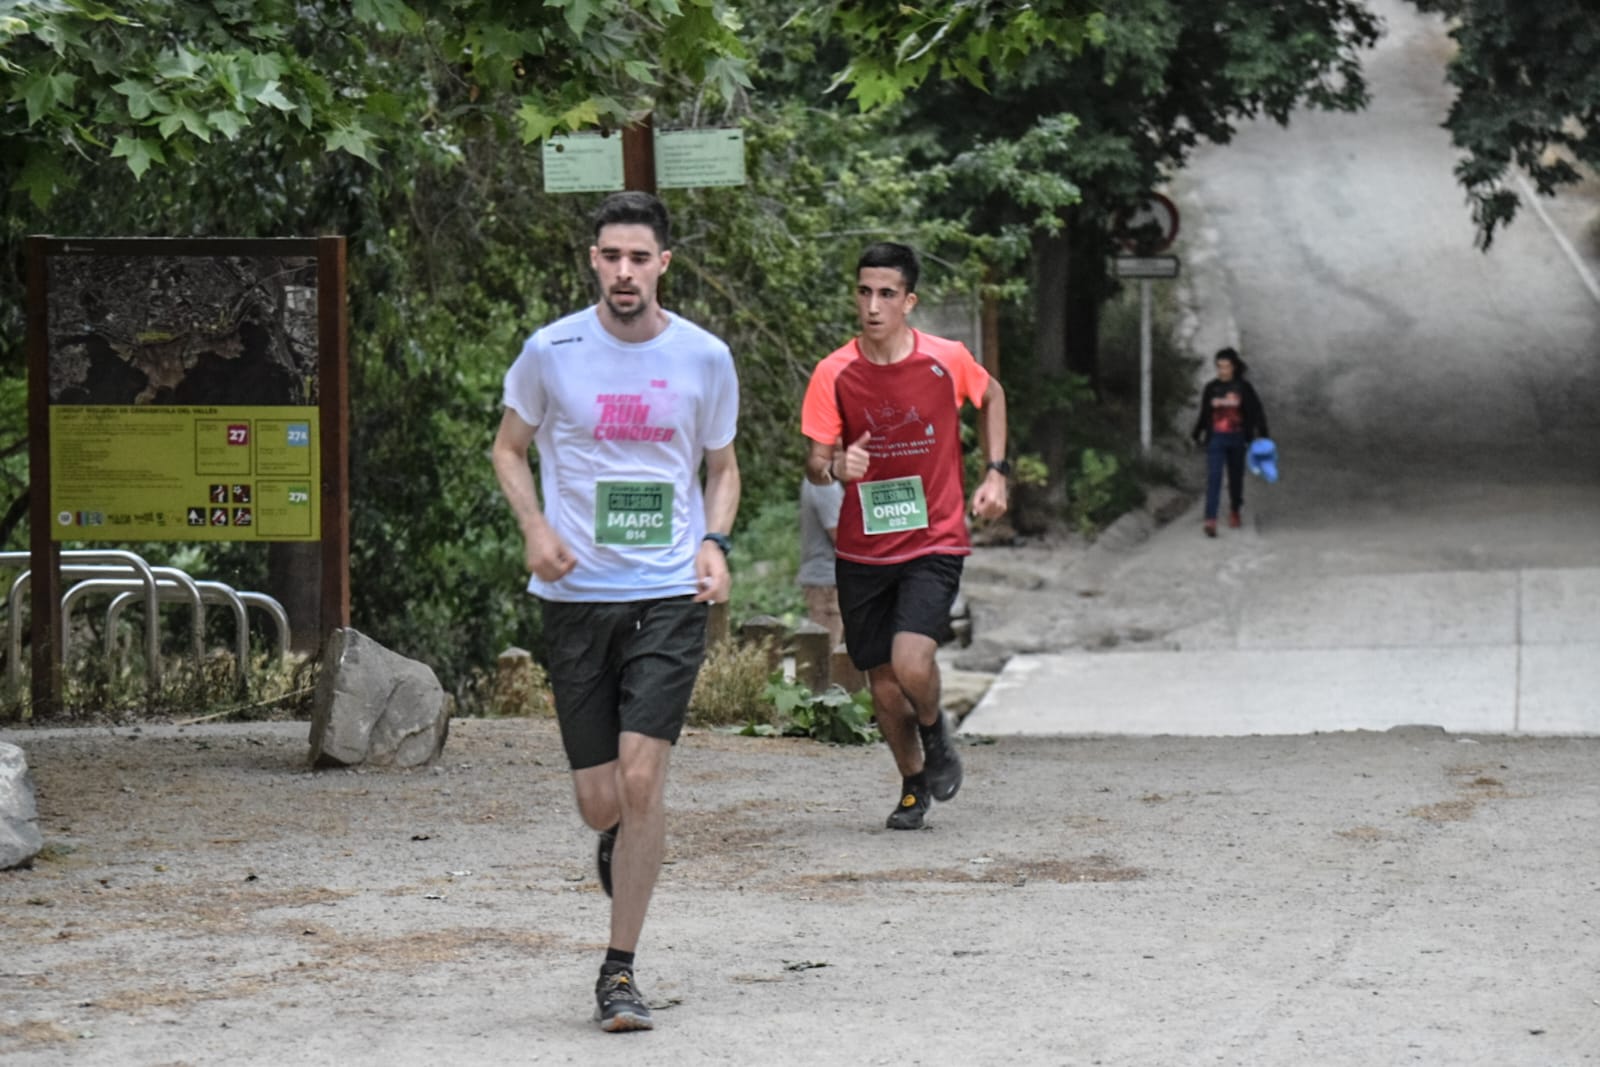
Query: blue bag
point(1262, 458)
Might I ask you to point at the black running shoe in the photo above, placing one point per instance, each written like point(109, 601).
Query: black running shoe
point(914, 803)
point(618, 1004)
point(608, 842)
point(940, 763)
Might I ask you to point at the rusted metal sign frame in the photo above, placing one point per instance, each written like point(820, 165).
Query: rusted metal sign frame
point(333, 405)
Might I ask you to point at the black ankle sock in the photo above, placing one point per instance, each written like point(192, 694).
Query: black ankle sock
point(611, 833)
point(616, 955)
point(917, 783)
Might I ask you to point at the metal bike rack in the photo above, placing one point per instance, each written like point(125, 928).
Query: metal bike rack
point(128, 576)
point(115, 579)
point(152, 635)
point(276, 613)
point(209, 592)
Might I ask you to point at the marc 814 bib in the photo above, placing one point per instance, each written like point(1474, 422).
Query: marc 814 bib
point(633, 513)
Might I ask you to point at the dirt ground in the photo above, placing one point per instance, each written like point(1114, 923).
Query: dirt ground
point(1404, 897)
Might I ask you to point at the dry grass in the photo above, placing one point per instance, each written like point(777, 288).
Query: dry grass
point(35, 1032)
point(522, 689)
point(1097, 868)
point(729, 689)
point(1361, 833)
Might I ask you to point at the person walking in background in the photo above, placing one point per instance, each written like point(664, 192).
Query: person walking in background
point(882, 415)
point(819, 523)
point(624, 401)
point(1231, 416)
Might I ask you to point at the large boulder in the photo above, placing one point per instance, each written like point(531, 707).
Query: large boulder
point(19, 813)
point(375, 707)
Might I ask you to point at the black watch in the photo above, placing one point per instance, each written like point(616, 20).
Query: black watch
point(722, 541)
point(1001, 465)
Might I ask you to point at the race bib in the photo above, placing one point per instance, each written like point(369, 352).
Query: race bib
point(893, 506)
point(633, 513)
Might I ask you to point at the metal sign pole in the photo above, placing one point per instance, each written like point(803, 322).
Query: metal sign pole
point(1144, 365)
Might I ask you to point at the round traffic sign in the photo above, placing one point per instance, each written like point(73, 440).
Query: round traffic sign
point(1150, 226)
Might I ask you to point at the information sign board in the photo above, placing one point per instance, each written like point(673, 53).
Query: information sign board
point(1145, 266)
point(582, 163)
point(687, 159)
point(148, 473)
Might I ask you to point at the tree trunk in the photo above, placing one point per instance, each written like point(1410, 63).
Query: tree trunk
point(1049, 305)
point(1069, 286)
point(294, 579)
point(1087, 289)
point(14, 516)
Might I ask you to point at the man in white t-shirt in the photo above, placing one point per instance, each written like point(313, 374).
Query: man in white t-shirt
point(624, 400)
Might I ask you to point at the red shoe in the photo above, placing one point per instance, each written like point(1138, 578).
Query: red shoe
point(1211, 527)
point(1233, 520)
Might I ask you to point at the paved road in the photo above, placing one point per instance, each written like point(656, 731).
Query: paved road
point(1431, 552)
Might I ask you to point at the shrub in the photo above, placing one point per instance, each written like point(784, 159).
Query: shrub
point(731, 685)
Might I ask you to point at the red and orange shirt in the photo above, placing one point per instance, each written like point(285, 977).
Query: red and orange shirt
point(1227, 409)
point(912, 410)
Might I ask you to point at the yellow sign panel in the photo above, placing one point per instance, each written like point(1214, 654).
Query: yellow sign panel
point(147, 473)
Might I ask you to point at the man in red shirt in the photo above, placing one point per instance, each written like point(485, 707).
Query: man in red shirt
point(883, 416)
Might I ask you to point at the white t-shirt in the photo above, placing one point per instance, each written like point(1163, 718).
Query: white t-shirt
point(621, 431)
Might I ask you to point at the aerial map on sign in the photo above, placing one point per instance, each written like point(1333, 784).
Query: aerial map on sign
point(183, 397)
point(183, 329)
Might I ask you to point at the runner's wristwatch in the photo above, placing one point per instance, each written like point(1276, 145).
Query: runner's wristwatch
point(722, 541)
point(1001, 465)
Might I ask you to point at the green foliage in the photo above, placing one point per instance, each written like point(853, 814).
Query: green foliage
point(767, 561)
point(1527, 97)
point(1030, 470)
point(833, 715)
point(894, 48)
point(1101, 490)
point(155, 82)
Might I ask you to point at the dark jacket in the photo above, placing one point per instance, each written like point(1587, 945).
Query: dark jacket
point(1255, 416)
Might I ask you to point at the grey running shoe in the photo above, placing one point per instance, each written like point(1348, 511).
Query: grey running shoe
point(914, 803)
point(608, 842)
point(941, 765)
point(618, 1003)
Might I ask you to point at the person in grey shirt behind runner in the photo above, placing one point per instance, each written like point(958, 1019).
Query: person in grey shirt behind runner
point(624, 400)
point(819, 521)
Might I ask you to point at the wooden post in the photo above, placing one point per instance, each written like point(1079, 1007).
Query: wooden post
point(991, 325)
point(333, 401)
point(717, 624)
point(811, 666)
point(844, 673)
point(46, 553)
point(639, 156)
point(768, 630)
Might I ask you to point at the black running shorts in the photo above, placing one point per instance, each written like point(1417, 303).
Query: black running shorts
point(616, 667)
point(879, 600)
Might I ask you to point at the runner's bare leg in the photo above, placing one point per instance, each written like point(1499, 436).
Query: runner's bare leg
point(630, 790)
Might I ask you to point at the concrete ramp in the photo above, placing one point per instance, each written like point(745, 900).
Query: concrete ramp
point(1506, 652)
